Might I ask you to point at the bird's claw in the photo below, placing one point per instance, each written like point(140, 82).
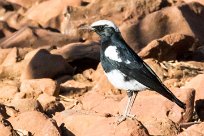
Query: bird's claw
point(124, 117)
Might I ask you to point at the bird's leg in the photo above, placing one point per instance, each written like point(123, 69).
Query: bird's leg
point(131, 98)
point(127, 109)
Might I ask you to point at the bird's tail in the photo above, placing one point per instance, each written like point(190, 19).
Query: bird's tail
point(180, 103)
point(169, 95)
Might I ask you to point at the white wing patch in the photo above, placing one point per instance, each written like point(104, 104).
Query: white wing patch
point(117, 79)
point(127, 62)
point(112, 53)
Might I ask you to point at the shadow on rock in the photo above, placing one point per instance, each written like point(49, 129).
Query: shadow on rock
point(65, 131)
point(199, 107)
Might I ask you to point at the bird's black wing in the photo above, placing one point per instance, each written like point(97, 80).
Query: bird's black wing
point(136, 68)
point(140, 71)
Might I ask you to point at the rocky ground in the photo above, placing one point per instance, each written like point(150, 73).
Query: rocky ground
point(52, 83)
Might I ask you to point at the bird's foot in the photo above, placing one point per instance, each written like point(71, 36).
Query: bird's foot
point(122, 118)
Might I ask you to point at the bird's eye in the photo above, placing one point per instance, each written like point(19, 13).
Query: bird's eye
point(101, 27)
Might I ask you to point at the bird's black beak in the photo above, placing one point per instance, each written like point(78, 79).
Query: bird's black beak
point(86, 27)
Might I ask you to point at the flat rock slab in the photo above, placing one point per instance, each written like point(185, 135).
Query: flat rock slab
point(92, 124)
point(36, 123)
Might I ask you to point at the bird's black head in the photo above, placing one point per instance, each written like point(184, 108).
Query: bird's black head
point(104, 28)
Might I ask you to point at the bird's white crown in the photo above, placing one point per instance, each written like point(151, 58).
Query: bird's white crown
point(105, 22)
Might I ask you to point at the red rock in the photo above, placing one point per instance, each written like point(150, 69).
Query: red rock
point(24, 3)
point(52, 88)
point(3, 54)
point(24, 105)
point(197, 84)
point(188, 97)
point(12, 112)
point(35, 13)
point(31, 54)
point(190, 1)
point(7, 111)
point(35, 122)
point(63, 79)
point(120, 12)
point(20, 95)
point(144, 102)
point(23, 132)
point(163, 22)
point(20, 36)
point(99, 103)
point(74, 51)
point(7, 92)
point(21, 53)
point(105, 126)
point(12, 21)
point(75, 88)
point(198, 54)
point(49, 104)
point(170, 47)
point(156, 67)
point(171, 82)
point(194, 130)
point(45, 65)
point(150, 107)
point(12, 71)
point(6, 128)
point(5, 28)
point(26, 37)
point(88, 74)
point(74, 3)
point(127, 128)
point(35, 87)
point(175, 73)
point(199, 108)
point(42, 15)
point(90, 1)
point(48, 18)
point(163, 126)
point(3, 114)
point(10, 67)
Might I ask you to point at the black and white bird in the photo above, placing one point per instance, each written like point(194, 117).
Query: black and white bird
point(125, 69)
